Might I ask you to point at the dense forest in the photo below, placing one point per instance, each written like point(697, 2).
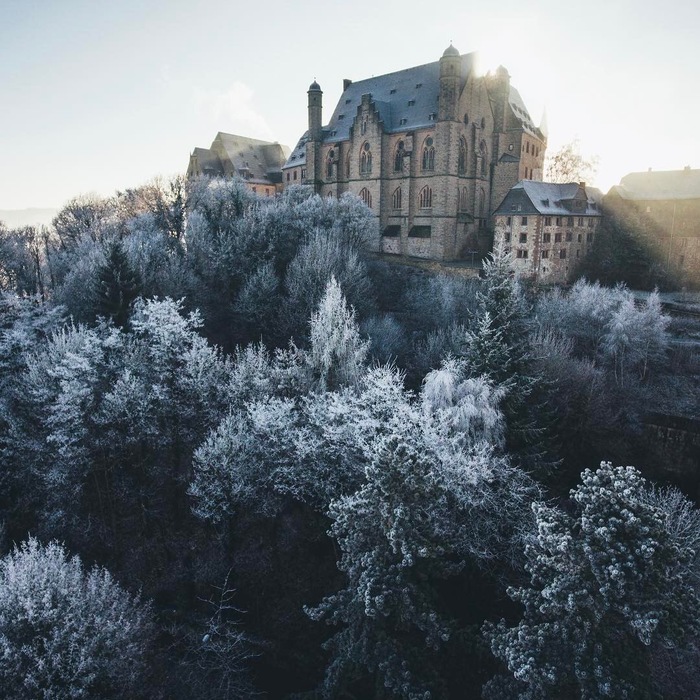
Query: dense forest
point(241, 456)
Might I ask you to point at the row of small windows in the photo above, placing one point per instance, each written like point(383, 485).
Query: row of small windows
point(427, 160)
point(294, 173)
point(535, 150)
point(523, 254)
point(425, 198)
point(558, 220)
point(547, 237)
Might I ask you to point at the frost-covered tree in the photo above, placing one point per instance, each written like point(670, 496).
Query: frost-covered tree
point(66, 632)
point(497, 348)
point(635, 338)
point(319, 259)
point(427, 505)
point(337, 353)
point(606, 583)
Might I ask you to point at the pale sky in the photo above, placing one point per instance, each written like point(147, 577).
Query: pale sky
point(99, 96)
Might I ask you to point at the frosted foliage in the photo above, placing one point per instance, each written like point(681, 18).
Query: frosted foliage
point(605, 584)
point(421, 511)
point(66, 632)
point(337, 353)
point(607, 326)
point(636, 337)
point(319, 259)
point(62, 381)
point(467, 408)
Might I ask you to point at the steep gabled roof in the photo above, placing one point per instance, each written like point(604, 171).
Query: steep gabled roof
point(405, 100)
point(208, 161)
point(520, 110)
point(662, 184)
point(547, 198)
point(258, 158)
point(298, 155)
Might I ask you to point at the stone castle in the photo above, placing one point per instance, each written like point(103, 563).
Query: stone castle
point(450, 162)
point(432, 150)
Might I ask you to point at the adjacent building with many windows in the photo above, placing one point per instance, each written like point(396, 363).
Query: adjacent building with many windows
point(431, 150)
point(549, 228)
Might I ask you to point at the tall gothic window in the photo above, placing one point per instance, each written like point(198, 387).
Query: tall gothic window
point(462, 160)
point(329, 164)
point(366, 197)
point(428, 154)
point(347, 166)
point(425, 198)
point(483, 151)
point(396, 198)
point(365, 159)
point(463, 199)
point(482, 203)
point(398, 157)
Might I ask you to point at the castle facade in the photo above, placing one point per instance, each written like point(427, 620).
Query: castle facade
point(432, 150)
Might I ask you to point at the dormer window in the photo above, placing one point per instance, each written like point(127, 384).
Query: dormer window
point(411, 103)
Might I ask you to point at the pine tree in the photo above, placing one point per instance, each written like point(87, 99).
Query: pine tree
point(116, 285)
point(604, 584)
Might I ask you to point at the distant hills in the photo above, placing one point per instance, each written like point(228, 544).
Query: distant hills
point(14, 218)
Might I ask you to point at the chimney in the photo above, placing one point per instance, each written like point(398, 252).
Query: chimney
point(346, 83)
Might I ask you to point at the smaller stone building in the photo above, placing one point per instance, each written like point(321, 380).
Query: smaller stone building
point(257, 163)
point(667, 205)
point(549, 228)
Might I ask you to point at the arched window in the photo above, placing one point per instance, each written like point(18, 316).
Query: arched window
point(398, 157)
point(329, 164)
point(428, 154)
point(363, 126)
point(463, 199)
point(462, 160)
point(347, 166)
point(365, 159)
point(396, 198)
point(425, 198)
point(366, 197)
point(483, 151)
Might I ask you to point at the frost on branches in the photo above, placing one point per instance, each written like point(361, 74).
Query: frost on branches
point(66, 632)
point(604, 585)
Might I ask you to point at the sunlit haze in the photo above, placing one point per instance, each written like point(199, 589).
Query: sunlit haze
point(101, 96)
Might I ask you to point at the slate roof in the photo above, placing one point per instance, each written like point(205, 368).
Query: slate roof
point(405, 100)
point(520, 111)
point(547, 198)
point(208, 161)
point(661, 184)
point(257, 160)
point(298, 155)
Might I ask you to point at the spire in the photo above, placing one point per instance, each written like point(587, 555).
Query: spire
point(543, 123)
